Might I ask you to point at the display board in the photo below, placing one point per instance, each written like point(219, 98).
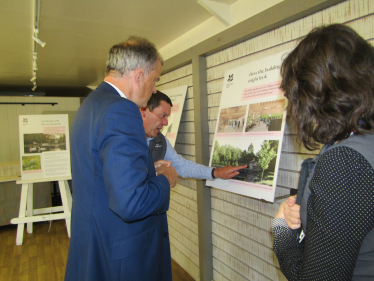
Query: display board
point(44, 146)
point(250, 126)
point(177, 96)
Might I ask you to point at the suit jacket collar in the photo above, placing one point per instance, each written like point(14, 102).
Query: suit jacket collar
point(107, 88)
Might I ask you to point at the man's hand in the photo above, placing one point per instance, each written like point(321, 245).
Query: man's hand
point(169, 173)
point(161, 162)
point(291, 212)
point(227, 172)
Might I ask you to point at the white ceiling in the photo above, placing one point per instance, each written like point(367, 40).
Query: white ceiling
point(79, 34)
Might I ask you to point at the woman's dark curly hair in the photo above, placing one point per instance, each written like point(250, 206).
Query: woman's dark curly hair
point(329, 83)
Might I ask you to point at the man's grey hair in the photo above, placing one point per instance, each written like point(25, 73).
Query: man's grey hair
point(133, 54)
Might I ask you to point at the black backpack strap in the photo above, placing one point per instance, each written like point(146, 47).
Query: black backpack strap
point(306, 168)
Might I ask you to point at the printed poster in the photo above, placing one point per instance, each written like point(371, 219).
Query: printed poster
point(44, 146)
point(177, 96)
point(250, 127)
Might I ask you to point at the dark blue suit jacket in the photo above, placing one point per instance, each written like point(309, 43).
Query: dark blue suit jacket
point(119, 227)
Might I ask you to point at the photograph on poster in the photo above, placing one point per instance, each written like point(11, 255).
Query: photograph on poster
point(265, 116)
point(232, 119)
point(37, 143)
point(258, 154)
point(31, 163)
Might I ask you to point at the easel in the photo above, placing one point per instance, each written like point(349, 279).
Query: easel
point(27, 214)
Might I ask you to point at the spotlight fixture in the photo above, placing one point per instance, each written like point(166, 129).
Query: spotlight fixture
point(40, 42)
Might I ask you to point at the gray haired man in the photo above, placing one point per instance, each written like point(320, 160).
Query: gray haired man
point(119, 227)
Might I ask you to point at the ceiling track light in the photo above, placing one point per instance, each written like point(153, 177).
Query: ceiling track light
point(36, 42)
point(40, 42)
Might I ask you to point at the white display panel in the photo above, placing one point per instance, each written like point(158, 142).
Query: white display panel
point(44, 146)
point(250, 127)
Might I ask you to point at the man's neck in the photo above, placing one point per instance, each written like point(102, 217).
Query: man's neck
point(122, 83)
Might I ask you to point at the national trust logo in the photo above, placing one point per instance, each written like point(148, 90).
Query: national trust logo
point(25, 121)
point(229, 80)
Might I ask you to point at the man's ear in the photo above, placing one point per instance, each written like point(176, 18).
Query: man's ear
point(138, 76)
point(143, 111)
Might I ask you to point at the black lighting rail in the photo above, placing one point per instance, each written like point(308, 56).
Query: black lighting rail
point(24, 103)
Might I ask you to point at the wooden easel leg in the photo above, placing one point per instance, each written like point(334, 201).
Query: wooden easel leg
point(30, 206)
point(22, 213)
point(64, 190)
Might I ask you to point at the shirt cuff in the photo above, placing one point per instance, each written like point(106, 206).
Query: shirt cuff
point(212, 173)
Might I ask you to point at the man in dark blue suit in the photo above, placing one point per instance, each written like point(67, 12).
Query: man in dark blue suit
point(119, 227)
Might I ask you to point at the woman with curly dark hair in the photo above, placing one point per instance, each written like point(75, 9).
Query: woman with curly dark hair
point(329, 83)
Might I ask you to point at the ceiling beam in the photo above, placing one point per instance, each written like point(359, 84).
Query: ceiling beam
point(221, 11)
point(278, 15)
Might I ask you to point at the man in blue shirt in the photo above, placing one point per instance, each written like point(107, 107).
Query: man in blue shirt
point(155, 117)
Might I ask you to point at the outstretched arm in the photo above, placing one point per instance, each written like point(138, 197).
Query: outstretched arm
point(227, 172)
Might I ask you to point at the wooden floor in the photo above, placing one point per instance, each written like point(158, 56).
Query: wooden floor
point(42, 257)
